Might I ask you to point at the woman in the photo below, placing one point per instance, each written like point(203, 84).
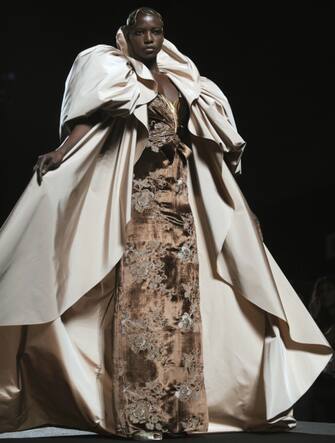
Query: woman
point(159, 309)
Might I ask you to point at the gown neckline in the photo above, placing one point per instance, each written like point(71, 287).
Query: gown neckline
point(173, 107)
point(173, 103)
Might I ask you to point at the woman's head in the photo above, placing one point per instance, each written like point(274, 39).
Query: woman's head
point(144, 33)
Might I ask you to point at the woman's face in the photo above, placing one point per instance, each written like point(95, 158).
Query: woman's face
point(145, 38)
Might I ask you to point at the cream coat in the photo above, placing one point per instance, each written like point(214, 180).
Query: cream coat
point(262, 349)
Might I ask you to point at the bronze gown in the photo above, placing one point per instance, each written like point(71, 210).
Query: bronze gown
point(157, 349)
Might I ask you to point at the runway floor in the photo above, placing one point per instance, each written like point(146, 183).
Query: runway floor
point(307, 432)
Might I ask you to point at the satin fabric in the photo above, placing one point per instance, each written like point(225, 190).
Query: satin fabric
point(61, 242)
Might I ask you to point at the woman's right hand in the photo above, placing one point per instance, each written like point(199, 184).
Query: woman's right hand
point(49, 161)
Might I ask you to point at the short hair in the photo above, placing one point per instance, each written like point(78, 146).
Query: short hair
point(132, 17)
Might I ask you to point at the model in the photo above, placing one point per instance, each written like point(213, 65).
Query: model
point(137, 297)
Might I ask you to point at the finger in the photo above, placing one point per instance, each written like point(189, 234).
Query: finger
point(39, 171)
point(38, 175)
point(44, 166)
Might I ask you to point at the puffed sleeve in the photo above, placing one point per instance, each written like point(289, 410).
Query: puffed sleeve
point(101, 81)
point(217, 100)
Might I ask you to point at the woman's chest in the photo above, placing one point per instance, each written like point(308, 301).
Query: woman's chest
point(166, 87)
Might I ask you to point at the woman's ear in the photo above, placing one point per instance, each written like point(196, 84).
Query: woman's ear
point(125, 33)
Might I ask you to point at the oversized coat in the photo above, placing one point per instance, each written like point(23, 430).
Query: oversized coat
point(62, 240)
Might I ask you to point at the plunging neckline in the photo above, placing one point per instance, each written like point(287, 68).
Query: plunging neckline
point(173, 107)
point(173, 103)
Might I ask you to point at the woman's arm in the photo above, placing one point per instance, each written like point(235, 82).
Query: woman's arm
point(52, 160)
point(77, 133)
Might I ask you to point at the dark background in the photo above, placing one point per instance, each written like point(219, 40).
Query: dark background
point(273, 63)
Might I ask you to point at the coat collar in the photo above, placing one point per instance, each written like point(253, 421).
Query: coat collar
point(178, 67)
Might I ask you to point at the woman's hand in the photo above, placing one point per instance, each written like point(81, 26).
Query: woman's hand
point(50, 160)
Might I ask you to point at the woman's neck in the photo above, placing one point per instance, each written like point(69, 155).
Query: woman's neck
point(151, 65)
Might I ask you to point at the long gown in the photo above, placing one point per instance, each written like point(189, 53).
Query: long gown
point(157, 349)
point(261, 348)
